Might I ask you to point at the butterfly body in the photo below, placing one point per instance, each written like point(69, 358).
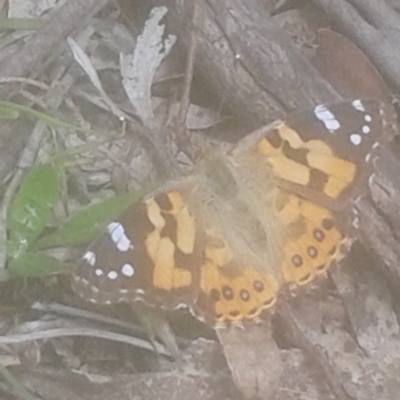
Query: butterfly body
point(271, 210)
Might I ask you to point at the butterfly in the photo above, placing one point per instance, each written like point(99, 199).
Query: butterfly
point(273, 210)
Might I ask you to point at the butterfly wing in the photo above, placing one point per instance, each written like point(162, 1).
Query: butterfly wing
point(318, 161)
point(231, 288)
point(327, 153)
point(152, 252)
point(321, 161)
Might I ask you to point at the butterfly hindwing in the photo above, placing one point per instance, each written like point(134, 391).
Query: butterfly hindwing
point(232, 289)
point(314, 239)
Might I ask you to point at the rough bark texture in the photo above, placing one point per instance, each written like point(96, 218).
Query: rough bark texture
point(267, 77)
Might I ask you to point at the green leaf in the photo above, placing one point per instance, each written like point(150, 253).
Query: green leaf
point(8, 113)
point(86, 224)
point(20, 23)
point(31, 209)
point(36, 265)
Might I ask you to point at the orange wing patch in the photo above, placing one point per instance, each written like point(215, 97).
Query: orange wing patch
point(161, 245)
point(313, 242)
point(231, 291)
point(306, 163)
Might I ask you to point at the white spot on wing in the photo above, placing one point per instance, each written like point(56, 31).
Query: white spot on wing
point(366, 129)
point(358, 105)
point(112, 275)
point(328, 119)
point(117, 233)
point(127, 270)
point(98, 272)
point(367, 118)
point(90, 258)
point(356, 139)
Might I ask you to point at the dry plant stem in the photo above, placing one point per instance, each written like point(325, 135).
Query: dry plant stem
point(26, 161)
point(381, 44)
point(187, 82)
point(84, 61)
point(14, 79)
point(61, 309)
point(88, 332)
point(29, 60)
point(32, 100)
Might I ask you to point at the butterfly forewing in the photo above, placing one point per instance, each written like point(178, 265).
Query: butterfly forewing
point(328, 152)
point(150, 253)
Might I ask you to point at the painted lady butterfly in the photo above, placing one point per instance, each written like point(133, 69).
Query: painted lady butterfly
point(274, 209)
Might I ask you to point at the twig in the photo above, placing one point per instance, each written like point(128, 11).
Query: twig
point(187, 82)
